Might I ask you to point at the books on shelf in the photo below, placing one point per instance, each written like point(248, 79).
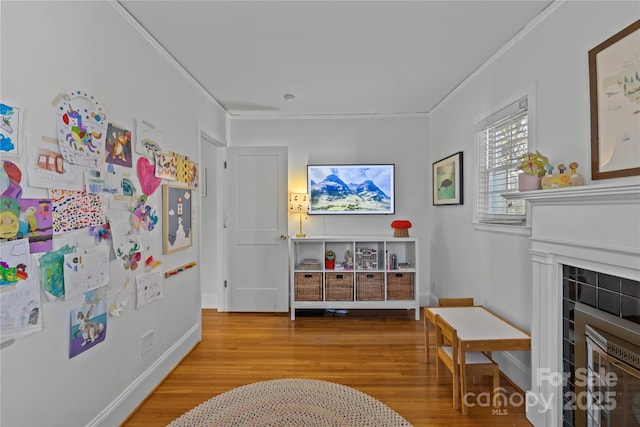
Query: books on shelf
point(310, 264)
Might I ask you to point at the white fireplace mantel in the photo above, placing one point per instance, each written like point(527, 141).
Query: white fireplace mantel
point(596, 227)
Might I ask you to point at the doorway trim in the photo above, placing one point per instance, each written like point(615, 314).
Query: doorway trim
point(207, 170)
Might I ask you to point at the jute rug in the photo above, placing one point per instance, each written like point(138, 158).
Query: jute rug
point(291, 403)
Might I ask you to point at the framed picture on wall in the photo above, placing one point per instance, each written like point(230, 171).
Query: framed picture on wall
point(447, 180)
point(177, 219)
point(614, 89)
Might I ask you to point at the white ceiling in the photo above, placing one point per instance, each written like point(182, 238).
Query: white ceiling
point(336, 57)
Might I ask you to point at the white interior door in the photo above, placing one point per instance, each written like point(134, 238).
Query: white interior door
point(256, 229)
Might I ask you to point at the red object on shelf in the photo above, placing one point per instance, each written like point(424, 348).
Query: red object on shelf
point(401, 227)
point(329, 264)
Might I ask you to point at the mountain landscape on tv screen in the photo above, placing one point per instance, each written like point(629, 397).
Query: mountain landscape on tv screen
point(332, 194)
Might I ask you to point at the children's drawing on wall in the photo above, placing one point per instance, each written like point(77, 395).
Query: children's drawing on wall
point(10, 129)
point(81, 123)
point(88, 326)
point(14, 262)
point(144, 217)
point(101, 233)
point(51, 269)
point(85, 270)
point(126, 245)
point(23, 218)
point(176, 215)
point(119, 146)
point(121, 300)
point(36, 223)
point(148, 287)
point(166, 167)
point(105, 180)
point(10, 178)
point(73, 210)
point(147, 176)
point(20, 310)
point(46, 168)
point(148, 139)
point(20, 305)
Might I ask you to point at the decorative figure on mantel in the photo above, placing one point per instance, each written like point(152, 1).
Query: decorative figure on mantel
point(562, 179)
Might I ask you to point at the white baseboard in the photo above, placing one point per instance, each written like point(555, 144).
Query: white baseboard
point(511, 367)
point(121, 407)
point(209, 301)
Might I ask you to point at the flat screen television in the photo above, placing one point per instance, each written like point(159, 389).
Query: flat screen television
point(351, 189)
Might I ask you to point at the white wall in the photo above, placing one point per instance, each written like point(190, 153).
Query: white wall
point(552, 58)
point(402, 141)
point(50, 47)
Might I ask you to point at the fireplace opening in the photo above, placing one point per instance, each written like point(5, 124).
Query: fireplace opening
point(606, 377)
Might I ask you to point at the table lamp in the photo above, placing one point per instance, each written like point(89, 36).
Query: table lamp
point(299, 203)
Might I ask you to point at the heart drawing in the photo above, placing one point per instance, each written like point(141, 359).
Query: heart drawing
point(147, 176)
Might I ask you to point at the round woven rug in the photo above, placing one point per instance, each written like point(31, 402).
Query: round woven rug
point(291, 402)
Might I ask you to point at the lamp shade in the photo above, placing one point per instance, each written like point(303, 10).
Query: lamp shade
point(298, 202)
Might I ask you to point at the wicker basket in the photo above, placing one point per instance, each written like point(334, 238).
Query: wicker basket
point(338, 286)
point(308, 286)
point(400, 286)
point(370, 286)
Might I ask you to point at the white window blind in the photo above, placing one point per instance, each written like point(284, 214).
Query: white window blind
point(502, 139)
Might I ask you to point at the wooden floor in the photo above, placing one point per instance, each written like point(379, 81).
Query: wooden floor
point(380, 353)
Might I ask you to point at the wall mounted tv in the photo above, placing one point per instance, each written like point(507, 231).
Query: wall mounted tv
point(351, 189)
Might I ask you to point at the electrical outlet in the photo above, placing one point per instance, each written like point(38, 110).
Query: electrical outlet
point(147, 342)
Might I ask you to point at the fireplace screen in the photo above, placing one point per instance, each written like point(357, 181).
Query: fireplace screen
point(612, 389)
point(607, 369)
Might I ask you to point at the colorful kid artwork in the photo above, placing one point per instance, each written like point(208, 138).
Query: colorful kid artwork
point(51, 269)
point(88, 326)
point(20, 310)
point(14, 262)
point(85, 270)
point(10, 178)
point(105, 180)
point(73, 210)
point(10, 129)
point(46, 168)
point(149, 139)
point(119, 146)
point(81, 124)
point(36, 223)
point(20, 305)
point(126, 245)
point(148, 287)
point(144, 217)
point(147, 176)
point(187, 171)
point(166, 167)
point(23, 218)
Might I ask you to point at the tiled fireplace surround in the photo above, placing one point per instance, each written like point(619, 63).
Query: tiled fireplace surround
point(595, 228)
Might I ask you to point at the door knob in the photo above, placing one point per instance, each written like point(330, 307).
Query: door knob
point(283, 237)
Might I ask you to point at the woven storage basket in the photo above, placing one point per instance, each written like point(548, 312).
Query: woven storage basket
point(370, 286)
point(338, 286)
point(400, 286)
point(308, 286)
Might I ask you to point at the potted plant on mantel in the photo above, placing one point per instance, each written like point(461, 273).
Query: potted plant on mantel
point(533, 169)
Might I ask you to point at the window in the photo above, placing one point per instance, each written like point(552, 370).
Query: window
point(502, 139)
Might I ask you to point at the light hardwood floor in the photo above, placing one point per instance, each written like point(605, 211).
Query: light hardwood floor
point(380, 353)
